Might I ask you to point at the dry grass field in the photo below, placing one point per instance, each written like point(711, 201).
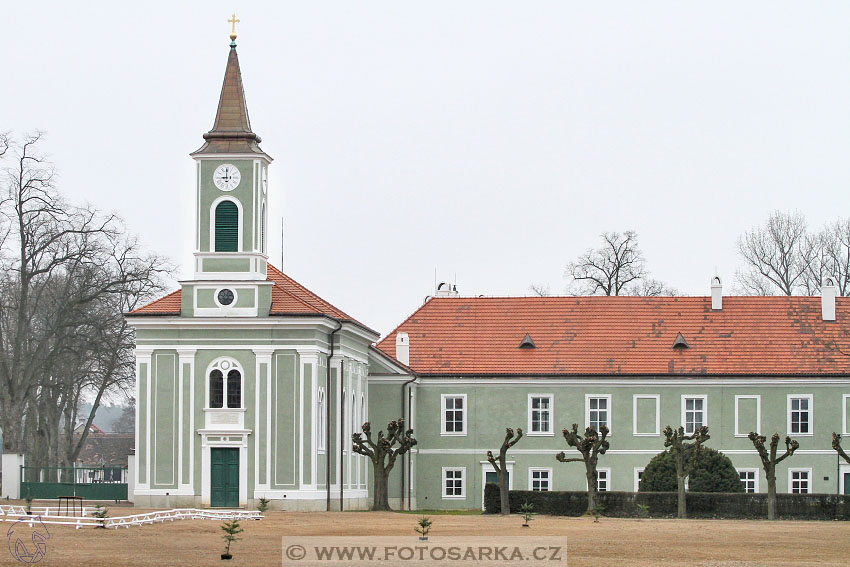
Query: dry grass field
point(639, 543)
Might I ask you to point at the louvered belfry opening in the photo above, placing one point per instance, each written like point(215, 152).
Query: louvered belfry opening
point(226, 227)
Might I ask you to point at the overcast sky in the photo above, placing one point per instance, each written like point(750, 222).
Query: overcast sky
point(491, 140)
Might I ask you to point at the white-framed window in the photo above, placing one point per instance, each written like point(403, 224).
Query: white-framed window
point(454, 482)
point(800, 481)
point(747, 400)
point(597, 411)
point(694, 412)
point(321, 417)
point(453, 420)
point(540, 414)
point(638, 477)
point(603, 479)
point(750, 479)
point(845, 411)
point(639, 428)
point(540, 480)
point(800, 414)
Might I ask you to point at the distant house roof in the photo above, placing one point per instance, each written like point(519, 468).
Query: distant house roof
point(289, 298)
point(92, 428)
point(625, 336)
point(109, 449)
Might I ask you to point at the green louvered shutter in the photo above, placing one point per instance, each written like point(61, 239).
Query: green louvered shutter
point(226, 227)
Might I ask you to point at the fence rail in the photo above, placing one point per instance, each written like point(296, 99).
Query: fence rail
point(18, 514)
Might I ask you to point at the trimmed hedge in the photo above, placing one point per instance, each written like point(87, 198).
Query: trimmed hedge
point(714, 472)
point(663, 504)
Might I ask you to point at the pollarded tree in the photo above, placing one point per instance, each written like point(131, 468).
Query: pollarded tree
point(769, 460)
point(590, 446)
point(499, 463)
point(686, 456)
point(383, 453)
point(836, 444)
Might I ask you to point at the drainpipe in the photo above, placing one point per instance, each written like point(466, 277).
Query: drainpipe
point(405, 485)
point(328, 415)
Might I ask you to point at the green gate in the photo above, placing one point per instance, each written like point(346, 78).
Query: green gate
point(89, 483)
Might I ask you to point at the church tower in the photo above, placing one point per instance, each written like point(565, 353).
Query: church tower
point(248, 385)
point(230, 265)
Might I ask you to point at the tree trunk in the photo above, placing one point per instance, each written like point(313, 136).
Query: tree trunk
point(591, 489)
point(771, 495)
point(682, 504)
point(504, 493)
point(381, 500)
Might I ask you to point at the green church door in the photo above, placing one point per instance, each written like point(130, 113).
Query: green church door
point(224, 478)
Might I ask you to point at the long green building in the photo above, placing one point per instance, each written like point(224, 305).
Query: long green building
point(249, 385)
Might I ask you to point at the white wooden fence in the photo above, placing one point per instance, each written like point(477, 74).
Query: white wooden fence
point(50, 515)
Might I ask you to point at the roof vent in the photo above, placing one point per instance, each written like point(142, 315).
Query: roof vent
point(445, 289)
point(680, 342)
point(527, 342)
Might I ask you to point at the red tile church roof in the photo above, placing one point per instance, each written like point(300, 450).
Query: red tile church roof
point(626, 336)
point(288, 298)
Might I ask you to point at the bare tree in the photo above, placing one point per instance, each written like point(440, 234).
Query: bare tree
point(66, 273)
point(383, 453)
point(540, 290)
point(778, 255)
point(686, 456)
point(830, 258)
point(126, 422)
point(500, 465)
point(650, 287)
point(591, 445)
point(609, 269)
point(836, 444)
point(769, 460)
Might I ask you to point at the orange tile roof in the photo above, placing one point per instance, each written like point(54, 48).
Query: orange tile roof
point(288, 298)
point(625, 335)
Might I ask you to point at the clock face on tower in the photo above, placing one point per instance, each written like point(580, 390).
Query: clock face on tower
point(226, 177)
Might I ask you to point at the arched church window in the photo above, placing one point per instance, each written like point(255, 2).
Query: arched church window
point(263, 231)
point(226, 227)
point(234, 389)
point(216, 389)
point(225, 389)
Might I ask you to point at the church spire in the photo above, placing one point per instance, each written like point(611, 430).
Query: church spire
point(231, 133)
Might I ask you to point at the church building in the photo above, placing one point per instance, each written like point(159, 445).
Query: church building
point(249, 385)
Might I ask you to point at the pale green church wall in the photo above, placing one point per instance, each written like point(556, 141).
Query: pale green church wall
point(227, 265)
point(285, 420)
point(164, 414)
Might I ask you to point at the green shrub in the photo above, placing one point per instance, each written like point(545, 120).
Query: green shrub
point(714, 472)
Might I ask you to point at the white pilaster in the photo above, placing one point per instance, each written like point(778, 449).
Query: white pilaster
point(186, 361)
point(263, 356)
point(144, 356)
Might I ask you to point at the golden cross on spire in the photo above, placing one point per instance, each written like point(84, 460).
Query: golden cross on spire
point(233, 21)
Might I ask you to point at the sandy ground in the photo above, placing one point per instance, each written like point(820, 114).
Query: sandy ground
point(609, 542)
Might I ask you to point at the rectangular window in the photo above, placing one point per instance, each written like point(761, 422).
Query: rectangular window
point(454, 485)
point(799, 481)
point(638, 477)
point(540, 414)
point(747, 415)
point(800, 414)
point(454, 414)
point(598, 411)
point(540, 480)
point(750, 479)
point(694, 413)
point(602, 478)
point(845, 413)
point(646, 415)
